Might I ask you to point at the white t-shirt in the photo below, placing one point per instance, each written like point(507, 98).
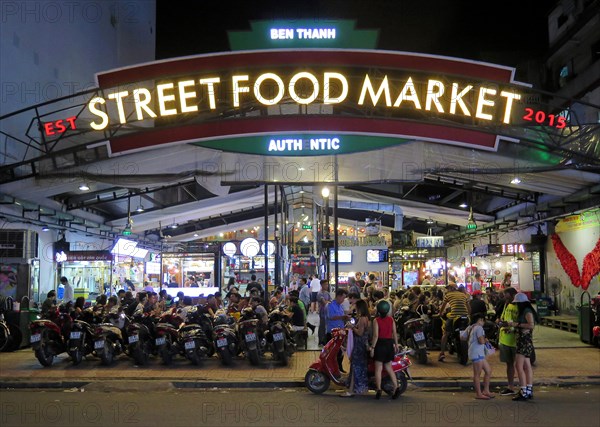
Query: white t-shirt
point(315, 285)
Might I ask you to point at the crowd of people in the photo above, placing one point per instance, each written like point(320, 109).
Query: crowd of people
point(374, 329)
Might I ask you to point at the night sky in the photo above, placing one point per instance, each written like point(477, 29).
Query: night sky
point(511, 33)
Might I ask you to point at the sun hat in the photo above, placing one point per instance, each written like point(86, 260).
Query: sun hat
point(521, 297)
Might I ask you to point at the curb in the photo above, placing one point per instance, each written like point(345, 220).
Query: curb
point(458, 383)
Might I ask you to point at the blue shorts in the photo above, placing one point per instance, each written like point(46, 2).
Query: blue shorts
point(478, 359)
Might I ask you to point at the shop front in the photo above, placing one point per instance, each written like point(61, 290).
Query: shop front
point(89, 272)
point(194, 274)
point(245, 258)
point(364, 255)
point(519, 264)
point(413, 266)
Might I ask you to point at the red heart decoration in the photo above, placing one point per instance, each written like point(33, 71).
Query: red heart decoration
point(591, 263)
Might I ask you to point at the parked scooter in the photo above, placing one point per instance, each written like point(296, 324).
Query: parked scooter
point(455, 344)
point(411, 333)
point(140, 337)
point(167, 334)
point(226, 340)
point(49, 337)
point(279, 336)
point(109, 339)
point(326, 368)
point(250, 336)
point(196, 336)
point(81, 338)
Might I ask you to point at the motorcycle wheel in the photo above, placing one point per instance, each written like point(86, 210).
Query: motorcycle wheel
point(284, 357)
point(226, 357)
point(4, 336)
point(402, 381)
point(195, 357)
point(254, 357)
point(76, 356)
point(140, 355)
point(422, 356)
point(165, 353)
point(463, 356)
point(108, 355)
point(44, 353)
point(316, 381)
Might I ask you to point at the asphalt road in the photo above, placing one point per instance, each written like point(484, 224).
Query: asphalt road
point(552, 406)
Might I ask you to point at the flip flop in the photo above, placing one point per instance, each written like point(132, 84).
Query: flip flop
point(491, 396)
point(483, 398)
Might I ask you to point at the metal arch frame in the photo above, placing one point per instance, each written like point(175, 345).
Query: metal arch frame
point(557, 142)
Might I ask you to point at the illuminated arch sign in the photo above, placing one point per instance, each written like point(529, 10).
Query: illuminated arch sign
point(305, 102)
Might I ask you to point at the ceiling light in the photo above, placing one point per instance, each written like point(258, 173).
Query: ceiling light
point(195, 234)
point(325, 192)
point(84, 187)
point(516, 180)
point(140, 208)
point(44, 228)
point(173, 225)
point(430, 221)
point(463, 205)
point(302, 206)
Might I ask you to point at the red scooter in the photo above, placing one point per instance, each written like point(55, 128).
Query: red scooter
point(326, 369)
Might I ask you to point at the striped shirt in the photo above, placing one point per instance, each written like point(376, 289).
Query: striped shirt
point(458, 303)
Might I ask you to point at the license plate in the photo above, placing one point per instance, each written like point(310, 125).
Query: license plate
point(278, 336)
point(161, 341)
point(133, 338)
point(250, 337)
point(222, 342)
point(36, 338)
point(189, 345)
point(75, 335)
point(419, 336)
point(99, 344)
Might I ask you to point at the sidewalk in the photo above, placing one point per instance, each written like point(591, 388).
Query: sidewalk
point(572, 362)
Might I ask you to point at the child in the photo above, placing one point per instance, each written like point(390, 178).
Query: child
point(477, 343)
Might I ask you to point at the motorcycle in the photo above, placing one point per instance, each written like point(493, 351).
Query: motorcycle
point(49, 337)
point(196, 336)
point(226, 340)
point(412, 333)
point(325, 369)
point(140, 337)
point(455, 343)
point(109, 340)
point(81, 337)
point(279, 336)
point(167, 333)
point(250, 336)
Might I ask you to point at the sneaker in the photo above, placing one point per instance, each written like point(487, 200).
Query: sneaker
point(441, 358)
point(507, 392)
point(520, 397)
point(378, 395)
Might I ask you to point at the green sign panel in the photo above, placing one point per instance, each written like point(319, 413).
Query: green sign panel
point(307, 33)
point(301, 144)
point(306, 227)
